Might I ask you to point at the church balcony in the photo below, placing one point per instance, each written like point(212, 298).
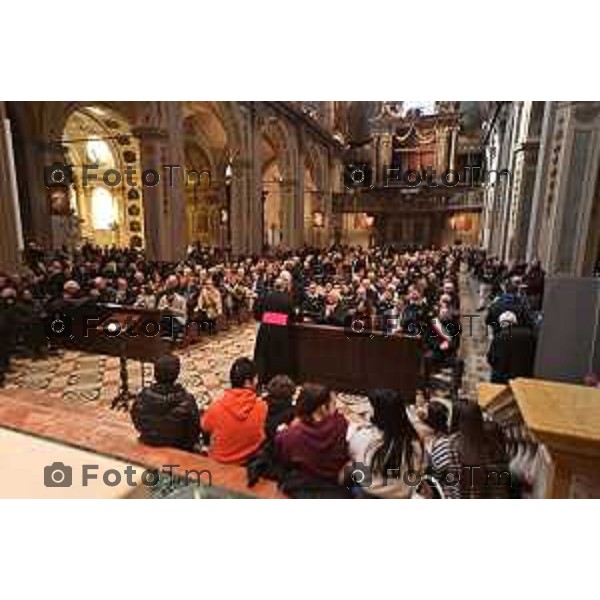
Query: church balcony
point(407, 199)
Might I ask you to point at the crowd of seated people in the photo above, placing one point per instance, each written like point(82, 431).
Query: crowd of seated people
point(301, 438)
point(305, 442)
point(413, 290)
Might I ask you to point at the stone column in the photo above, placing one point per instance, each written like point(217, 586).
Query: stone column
point(543, 164)
point(34, 152)
point(255, 218)
point(507, 157)
point(246, 187)
point(11, 236)
point(326, 233)
point(151, 154)
point(242, 175)
point(524, 214)
point(159, 130)
point(442, 151)
point(297, 237)
point(174, 186)
point(579, 168)
point(242, 188)
point(328, 114)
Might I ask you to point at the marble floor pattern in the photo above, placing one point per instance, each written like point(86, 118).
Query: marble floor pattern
point(81, 377)
point(474, 339)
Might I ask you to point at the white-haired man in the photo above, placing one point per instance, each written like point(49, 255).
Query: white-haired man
point(175, 307)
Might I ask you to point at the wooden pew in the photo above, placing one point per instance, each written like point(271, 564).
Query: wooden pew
point(355, 363)
point(124, 331)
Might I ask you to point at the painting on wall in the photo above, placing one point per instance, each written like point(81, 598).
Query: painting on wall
point(58, 200)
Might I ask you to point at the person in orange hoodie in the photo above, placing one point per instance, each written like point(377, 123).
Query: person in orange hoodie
point(235, 423)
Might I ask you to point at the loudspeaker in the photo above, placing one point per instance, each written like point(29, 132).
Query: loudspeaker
point(569, 339)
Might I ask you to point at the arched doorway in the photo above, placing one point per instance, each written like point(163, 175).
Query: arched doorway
point(106, 200)
point(201, 202)
point(272, 216)
point(209, 152)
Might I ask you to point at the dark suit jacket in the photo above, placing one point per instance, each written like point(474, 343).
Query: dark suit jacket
point(512, 354)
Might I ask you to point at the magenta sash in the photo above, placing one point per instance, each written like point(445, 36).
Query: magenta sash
point(274, 318)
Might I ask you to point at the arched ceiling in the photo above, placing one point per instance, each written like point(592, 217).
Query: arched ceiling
point(196, 156)
point(89, 121)
point(276, 146)
point(99, 127)
point(205, 117)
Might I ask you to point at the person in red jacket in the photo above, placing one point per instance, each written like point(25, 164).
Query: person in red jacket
point(235, 423)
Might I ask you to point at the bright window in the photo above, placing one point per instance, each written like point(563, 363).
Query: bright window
point(427, 107)
point(103, 209)
point(73, 201)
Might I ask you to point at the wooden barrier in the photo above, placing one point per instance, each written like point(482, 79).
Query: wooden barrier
point(553, 435)
point(355, 363)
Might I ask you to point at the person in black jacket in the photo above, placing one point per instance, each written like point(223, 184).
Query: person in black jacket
point(512, 351)
point(511, 300)
point(313, 303)
point(29, 323)
point(7, 329)
point(165, 414)
point(280, 400)
point(272, 348)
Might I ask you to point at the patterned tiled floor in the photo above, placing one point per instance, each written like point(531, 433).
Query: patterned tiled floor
point(474, 340)
point(81, 377)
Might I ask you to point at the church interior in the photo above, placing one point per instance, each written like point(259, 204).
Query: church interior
point(218, 284)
